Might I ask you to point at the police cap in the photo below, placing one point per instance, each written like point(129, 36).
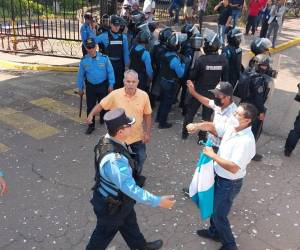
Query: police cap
point(116, 119)
point(88, 15)
point(115, 20)
point(90, 43)
point(224, 88)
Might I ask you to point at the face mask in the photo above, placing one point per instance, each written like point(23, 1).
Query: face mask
point(234, 122)
point(218, 102)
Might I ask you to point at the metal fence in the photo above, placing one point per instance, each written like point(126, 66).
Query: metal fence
point(53, 26)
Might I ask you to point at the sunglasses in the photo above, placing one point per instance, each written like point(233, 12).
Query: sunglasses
point(90, 47)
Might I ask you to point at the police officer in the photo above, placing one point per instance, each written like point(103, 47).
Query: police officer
point(171, 69)
point(115, 46)
point(115, 191)
point(233, 53)
point(260, 88)
point(140, 60)
point(208, 71)
point(187, 51)
point(97, 75)
point(86, 30)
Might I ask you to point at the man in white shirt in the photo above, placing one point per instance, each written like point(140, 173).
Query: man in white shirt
point(222, 104)
point(236, 150)
point(148, 9)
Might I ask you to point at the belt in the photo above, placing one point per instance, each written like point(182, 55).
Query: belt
point(93, 84)
point(225, 179)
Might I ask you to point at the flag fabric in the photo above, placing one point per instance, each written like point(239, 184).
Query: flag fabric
point(201, 189)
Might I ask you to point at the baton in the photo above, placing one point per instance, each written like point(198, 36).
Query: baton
point(80, 102)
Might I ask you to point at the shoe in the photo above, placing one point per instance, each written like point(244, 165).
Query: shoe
point(186, 192)
point(89, 130)
point(154, 245)
point(204, 233)
point(140, 180)
point(166, 125)
point(287, 153)
point(184, 135)
point(257, 157)
point(225, 248)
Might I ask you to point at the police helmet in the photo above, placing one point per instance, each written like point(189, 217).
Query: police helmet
point(143, 36)
point(211, 41)
point(88, 15)
point(260, 45)
point(152, 26)
point(164, 34)
point(234, 37)
point(262, 60)
point(187, 29)
point(173, 42)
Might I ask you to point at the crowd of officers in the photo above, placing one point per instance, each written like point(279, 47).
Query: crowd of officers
point(131, 64)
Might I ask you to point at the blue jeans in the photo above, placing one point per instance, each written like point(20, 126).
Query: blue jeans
point(140, 149)
point(221, 34)
point(225, 192)
point(236, 14)
point(175, 7)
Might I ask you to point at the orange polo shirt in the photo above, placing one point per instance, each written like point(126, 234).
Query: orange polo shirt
point(136, 106)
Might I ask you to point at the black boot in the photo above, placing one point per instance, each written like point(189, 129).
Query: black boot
point(90, 129)
point(154, 245)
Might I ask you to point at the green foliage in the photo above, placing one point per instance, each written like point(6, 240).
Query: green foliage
point(210, 7)
point(17, 8)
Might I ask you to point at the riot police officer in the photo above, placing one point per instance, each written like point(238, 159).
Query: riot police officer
point(115, 190)
point(187, 51)
point(115, 46)
point(208, 71)
point(233, 53)
point(260, 88)
point(140, 60)
point(97, 75)
point(171, 69)
point(157, 52)
point(86, 30)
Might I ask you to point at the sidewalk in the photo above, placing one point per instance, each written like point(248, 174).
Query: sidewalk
point(289, 36)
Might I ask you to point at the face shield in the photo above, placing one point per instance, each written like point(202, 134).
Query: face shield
point(209, 35)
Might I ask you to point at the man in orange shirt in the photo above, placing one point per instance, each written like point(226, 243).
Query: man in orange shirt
point(136, 104)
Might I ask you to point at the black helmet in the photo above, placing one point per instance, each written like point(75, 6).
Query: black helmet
point(116, 20)
point(260, 45)
point(88, 15)
point(152, 26)
point(234, 37)
point(143, 36)
point(164, 34)
point(211, 41)
point(173, 42)
point(187, 29)
point(262, 60)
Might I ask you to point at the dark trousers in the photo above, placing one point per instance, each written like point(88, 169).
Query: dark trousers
point(192, 107)
point(84, 51)
point(119, 70)
point(174, 7)
point(264, 28)
point(168, 92)
point(139, 148)
point(251, 23)
point(94, 94)
point(106, 229)
point(256, 127)
point(224, 194)
point(201, 15)
point(293, 136)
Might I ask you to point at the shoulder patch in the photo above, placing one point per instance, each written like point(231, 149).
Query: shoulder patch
point(260, 89)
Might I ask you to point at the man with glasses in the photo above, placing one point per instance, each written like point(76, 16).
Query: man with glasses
point(116, 190)
point(236, 150)
point(96, 74)
point(137, 104)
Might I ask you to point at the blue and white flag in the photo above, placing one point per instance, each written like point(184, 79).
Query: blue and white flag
point(202, 186)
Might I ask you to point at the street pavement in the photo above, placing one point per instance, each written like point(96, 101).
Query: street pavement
point(48, 162)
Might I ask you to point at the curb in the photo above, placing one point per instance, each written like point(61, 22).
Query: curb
point(25, 66)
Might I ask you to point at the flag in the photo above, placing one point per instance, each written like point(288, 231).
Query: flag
point(201, 189)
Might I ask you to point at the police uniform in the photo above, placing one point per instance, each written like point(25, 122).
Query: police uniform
point(115, 191)
point(293, 137)
point(140, 61)
point(97, 75)
point(207, 72)
point(234, 57)
point(115, 46)
point(86, 32)
point(171, 69)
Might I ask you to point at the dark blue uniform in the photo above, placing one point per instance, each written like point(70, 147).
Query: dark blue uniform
point(171, 69)
point(97, 75)
point(140, 61)
point(115, 46)
point(293, 137)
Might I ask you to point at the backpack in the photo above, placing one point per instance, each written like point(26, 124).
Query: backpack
point(242, 88)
